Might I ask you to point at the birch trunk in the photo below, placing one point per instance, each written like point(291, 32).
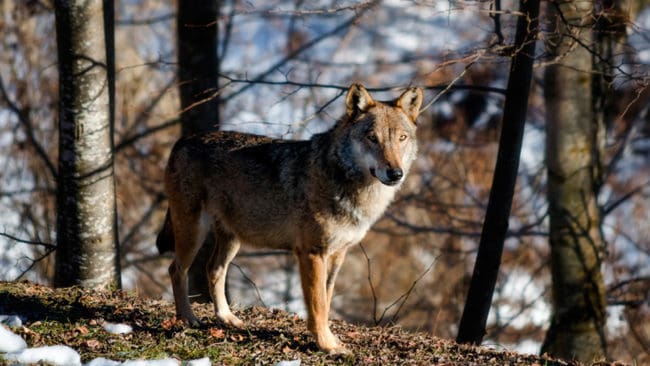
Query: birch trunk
point(86, 252)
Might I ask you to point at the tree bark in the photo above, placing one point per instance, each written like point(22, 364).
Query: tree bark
point(198, 65)
point(87, 245)
point(577, 246)
point(495, 227)
point(198, 72)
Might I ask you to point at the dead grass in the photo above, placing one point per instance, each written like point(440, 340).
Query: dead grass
point(75, 317)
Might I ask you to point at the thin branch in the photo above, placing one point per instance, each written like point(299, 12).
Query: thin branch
point(372, 287)
point(249, 280)
point(146, 21)
point(130, 140)
point(303, 48)
point(142, 221)
point(406, 295)
point(318, 11)
point(446, 89)
point(30, 242)
point(23, 118)
point(477, 88)
point(629, 281)
point(144, 114)
point(162, 286)
point(34, 261)
point(496, 17)
point(221, 55)
point(609, 207)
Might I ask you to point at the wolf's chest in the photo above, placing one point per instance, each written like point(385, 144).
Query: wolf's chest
point(352, 218)
point(341, 235)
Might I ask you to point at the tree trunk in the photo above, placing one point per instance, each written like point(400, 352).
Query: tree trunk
point(198, 65)
point(577, 246)
point(198, 72)
point(479, 298)
point(86, 252)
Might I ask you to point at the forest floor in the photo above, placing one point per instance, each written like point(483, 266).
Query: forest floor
point(75, 317)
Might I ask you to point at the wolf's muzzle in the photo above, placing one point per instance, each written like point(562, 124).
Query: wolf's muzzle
point(395, 175)
point(389, 177)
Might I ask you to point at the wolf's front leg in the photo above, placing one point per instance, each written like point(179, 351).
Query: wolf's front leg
point(313, 275)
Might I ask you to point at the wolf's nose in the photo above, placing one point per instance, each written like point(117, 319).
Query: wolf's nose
point(395, 174)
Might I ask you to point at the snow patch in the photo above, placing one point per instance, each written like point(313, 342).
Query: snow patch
point(10, 342)
point(103, 362)
point(288, 363)
point(55, 355)
point(16, 350)
point(205, 361)
point(11, 320)
point(161, 362)
point(118, 328)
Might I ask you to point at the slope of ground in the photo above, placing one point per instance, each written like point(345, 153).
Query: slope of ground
point(75, 317)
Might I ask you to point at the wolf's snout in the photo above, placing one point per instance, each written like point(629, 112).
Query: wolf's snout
point(390, 177)
point(395, 175)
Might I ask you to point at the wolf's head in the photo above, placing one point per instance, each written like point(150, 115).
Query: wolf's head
point(380, 136)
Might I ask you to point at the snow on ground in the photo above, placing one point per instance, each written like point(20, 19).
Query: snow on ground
point(118, 328)
point(14, 349)
point(10, 341)
point(55, 355)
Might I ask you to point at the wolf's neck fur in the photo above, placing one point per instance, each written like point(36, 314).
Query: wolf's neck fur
point(356, 195)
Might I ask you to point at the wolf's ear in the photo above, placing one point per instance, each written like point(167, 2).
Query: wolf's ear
point(358, 100)
point(410, 102)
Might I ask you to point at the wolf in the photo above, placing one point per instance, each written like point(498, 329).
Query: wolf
point(315, 197)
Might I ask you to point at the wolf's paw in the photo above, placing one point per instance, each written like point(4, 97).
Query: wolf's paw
point(330, 344)
point(338, 350)
point(231, 320)
point(191, 321)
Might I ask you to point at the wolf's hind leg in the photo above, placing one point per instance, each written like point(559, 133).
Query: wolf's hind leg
point(189, 234)
point(226, 247)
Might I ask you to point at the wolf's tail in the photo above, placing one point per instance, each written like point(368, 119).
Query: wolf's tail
point(165, 239)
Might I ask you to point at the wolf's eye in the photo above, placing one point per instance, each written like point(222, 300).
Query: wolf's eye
point(372, 137)
point(403, 137)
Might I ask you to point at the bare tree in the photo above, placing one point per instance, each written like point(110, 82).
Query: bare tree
point(577, 247)
point(86, 238)
point(495, 227)
point(198, 65)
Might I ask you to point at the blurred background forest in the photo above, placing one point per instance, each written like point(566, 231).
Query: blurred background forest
point(283, 67)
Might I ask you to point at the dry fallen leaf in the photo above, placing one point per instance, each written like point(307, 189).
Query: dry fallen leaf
point(236, 337)
point(217, 333)
point(168, 323)
point(92, 344)
point(353, 334)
